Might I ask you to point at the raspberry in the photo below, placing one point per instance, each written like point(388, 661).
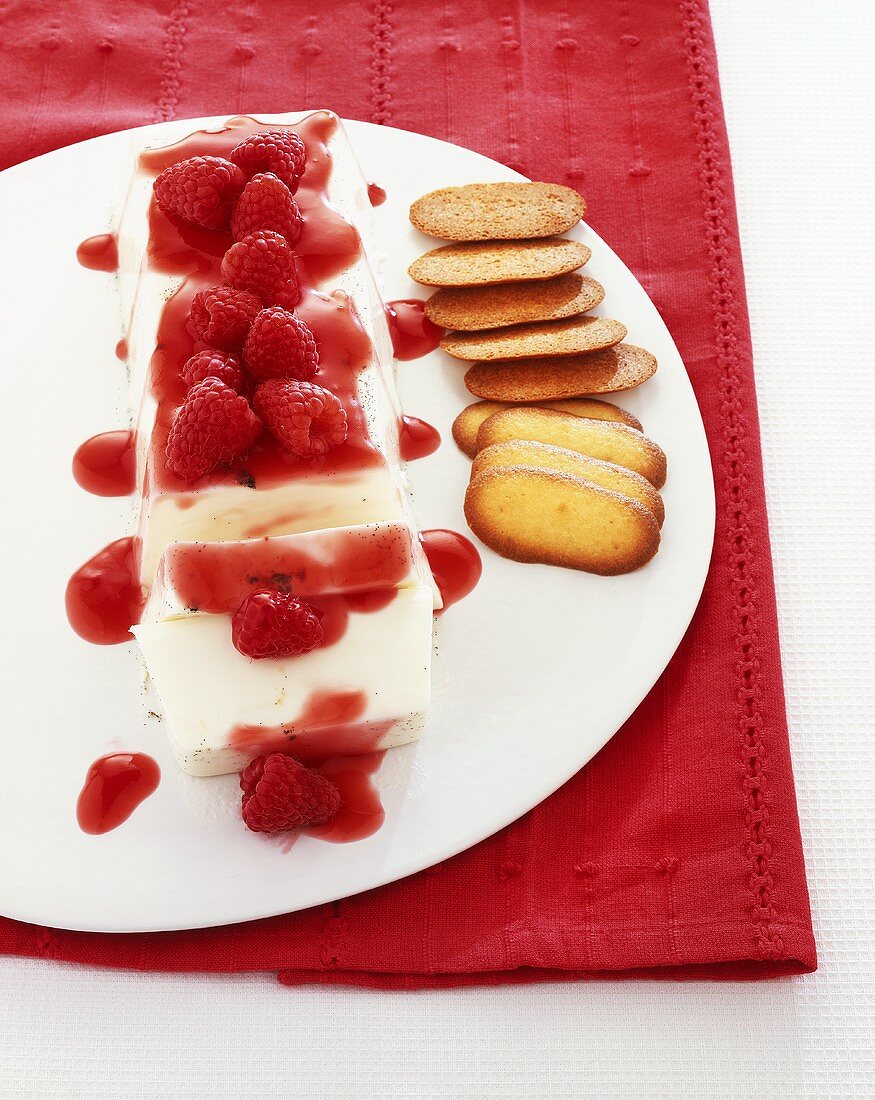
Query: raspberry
point(275, 624)
point(266, 203)
point(279, 151)
point(263, 264)
point(306, 419)
point(280, 346)
point(279, 794)
point(213, 364)
point(214, 426)
point(200, 190)
point(221, 316)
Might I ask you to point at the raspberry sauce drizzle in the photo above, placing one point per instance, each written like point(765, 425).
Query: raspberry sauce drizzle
point(105, 464)
point(361, 811)
point(417, 438)
point(216, 577)
point(330, 724)
point(99, 253)
point(114, 787)
point(454, 561)
point(376, 194)
point(413, 334)
point(104, 597)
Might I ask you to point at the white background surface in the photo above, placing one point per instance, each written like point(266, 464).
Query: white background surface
point(798, 91)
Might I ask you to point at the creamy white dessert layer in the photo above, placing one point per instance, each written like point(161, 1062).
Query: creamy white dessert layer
point(219, 512)
point(213, 696)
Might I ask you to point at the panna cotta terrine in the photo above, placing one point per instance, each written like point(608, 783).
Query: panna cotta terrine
point(273, 511)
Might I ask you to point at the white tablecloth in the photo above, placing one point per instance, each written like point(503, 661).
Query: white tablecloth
point(799, 95)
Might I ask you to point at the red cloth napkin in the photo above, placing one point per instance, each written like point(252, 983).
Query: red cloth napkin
point(676, 852)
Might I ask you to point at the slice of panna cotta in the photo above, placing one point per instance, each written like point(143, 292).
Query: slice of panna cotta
point(270, 518)
point(365, 687)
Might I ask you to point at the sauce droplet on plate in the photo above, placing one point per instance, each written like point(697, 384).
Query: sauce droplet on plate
point(104, 596)
point(99, 253)
point(413, 334)
point(376, 194)
point(417, 438)
point(454, 562)
point(114, 787)
point(105, 464)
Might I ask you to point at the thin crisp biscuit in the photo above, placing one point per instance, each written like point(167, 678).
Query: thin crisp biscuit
point(471, 309)
point(594, 409)
point(467, 423)
point(533, 515)
point(610, 442)
point(482, 264)
point(618, 368)
point(497, 211)
point(572, 336)
point(543, 456)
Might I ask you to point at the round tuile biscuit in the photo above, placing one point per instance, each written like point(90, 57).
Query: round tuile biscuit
point(497, 211)
point(621, 367)
point(473, 308)
point(544, 456)
point(571, 336)
point(533, 515)
point(617, 443)
point(467, 423)
point(479, 263)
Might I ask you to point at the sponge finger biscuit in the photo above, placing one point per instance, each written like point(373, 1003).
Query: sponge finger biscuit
point(544, 456)
point(479, 264)
point(571, 336)
point(610, 442)
point(467, 423)
point(534, 515)
point(474, 308)
point(617, 368)
point(497, 211)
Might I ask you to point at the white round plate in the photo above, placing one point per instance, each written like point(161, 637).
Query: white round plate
point(534, 671)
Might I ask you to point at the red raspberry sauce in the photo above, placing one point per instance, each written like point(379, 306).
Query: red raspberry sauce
point(105, 464)
point(455, 563)
point(413, 335)
point(104, 596)
point(376, 194)
point(417, 438)
point(114, 787)
point(99, 253)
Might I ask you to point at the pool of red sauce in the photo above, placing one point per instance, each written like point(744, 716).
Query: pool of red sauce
point(114, 787)
point(413, 334)
point(99, 253)
point(121, 350)
point(376, 194)
point(104, 596)
point(454, 562)
point(417, 438)
point(106, 464)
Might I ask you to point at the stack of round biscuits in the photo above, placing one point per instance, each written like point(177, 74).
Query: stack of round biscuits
point(558, 476)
